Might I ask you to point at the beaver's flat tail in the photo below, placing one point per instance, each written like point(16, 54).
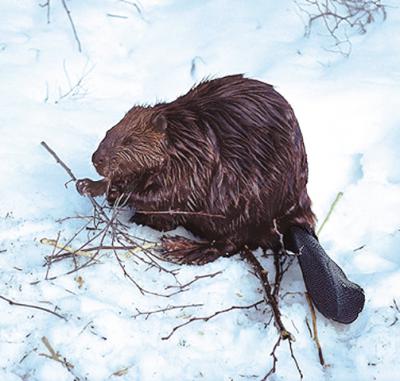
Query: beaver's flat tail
point(335, 296)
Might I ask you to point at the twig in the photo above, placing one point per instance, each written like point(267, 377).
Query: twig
point(52, 254)
point(95, 204)
point(396, 306)
point(166, 309)
point(114, 229)
point(359, 248)
point(13, 303)
point(209, 317)
point(396, 309)
point(46, 5)
point(85, 252)
point(138, 10)
point(309, 328)
point(338, 17)
point(58, 160)
point(60, 220)
point(72, 25)
point(274, 359)
point(268, 292)
point(195, 279)
point(76, 88)
point(127, 275)
point(332, 207)
point(117, 16)
point(271, 298)
point(179, 212)
point(295, 359)
point(315, 329)
point(56, 356)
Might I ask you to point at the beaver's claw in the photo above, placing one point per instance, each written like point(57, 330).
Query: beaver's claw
point(87, 187)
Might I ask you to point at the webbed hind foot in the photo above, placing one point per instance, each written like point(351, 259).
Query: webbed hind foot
point(182, 250)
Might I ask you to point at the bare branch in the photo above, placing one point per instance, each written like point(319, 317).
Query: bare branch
point(71, 21)
point(13, 303)
point(339, 17)
point(209, 317)
point(136, 6)
point(179, 212)
point(147, 314)
point(75, 89)
point(195, 279)
point(269, 297)
point(56, 356)
point(58, 160)
point(274, 359)
point(46, 5)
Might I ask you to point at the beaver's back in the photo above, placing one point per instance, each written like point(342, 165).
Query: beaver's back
point(243, 137)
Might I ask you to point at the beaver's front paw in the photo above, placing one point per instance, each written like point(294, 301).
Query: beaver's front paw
point(87, 187)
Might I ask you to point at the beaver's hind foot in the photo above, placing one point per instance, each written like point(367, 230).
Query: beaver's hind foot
point(182, 250)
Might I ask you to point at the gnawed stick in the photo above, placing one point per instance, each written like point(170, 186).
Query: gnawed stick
point(95, 204)
point(69, 249)
point(58, 160)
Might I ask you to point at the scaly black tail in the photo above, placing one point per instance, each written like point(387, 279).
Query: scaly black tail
point(333, 294)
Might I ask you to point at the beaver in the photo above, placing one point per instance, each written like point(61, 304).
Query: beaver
point(226, 161)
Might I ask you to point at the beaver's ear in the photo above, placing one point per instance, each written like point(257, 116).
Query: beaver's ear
point(159, 123)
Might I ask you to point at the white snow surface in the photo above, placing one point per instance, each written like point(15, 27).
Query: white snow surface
point(349, 111)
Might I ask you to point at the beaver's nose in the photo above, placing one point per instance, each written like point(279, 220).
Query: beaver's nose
point(98, 162)
point(99, 158)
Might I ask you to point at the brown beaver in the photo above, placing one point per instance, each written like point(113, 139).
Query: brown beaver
point(227, 158)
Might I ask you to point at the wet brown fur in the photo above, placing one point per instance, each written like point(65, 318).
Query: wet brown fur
point(231, 146)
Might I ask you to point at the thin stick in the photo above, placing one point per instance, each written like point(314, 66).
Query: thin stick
point(173, 212)
point(58, 160)
point(195, 279)
point(68, 170)
point(274, 359)
point(139, 11)
point(56, 356)
point(52, 254)
point(166, 309)
point(268, 292)
point(117, 16)
point(13, 303)
point(207, 318)
point(72, 25)
point(333, 205)
point(47, 5)
point(295, 359)
point(74, 89)
point(315, 329)
point(85, 252)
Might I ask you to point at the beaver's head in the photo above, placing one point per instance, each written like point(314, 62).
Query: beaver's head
point(135, 145)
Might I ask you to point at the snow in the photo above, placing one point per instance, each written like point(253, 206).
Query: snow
point(349, 110)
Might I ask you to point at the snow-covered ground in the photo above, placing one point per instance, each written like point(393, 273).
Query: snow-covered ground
point(349, 110)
